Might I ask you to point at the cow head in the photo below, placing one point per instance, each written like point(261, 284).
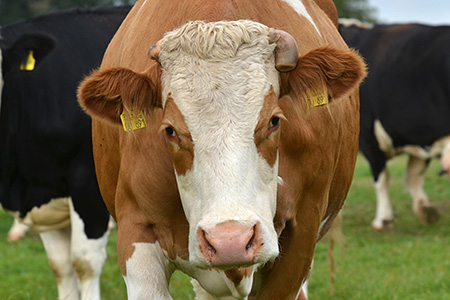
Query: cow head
point(219, 89)
point(16, 55)
point(13, 58)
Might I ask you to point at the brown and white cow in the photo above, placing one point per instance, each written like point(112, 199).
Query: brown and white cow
point(236, 170)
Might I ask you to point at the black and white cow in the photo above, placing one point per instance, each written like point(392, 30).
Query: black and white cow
point(405, 107)
point(47, 174)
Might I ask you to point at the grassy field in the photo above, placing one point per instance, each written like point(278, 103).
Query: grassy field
point(411, 261)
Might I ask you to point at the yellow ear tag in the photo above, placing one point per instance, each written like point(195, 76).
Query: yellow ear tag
point(135, 122)
point(30, 63)
point(316, 98)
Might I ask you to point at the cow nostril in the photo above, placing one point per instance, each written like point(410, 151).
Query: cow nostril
point(252, 240)
point(210, 247)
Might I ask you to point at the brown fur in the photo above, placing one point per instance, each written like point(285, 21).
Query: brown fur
point(326, 68)
point(266, 139)
point(330, 9)
point(180, 145)
point(317, 146)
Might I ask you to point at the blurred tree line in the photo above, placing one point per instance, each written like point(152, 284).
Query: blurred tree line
point(15, 10)
point(356, 9)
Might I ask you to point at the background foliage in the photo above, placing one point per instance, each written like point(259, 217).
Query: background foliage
point(15, 10)
point(357, 9)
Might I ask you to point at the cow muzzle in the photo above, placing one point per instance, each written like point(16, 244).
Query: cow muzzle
point(230, 244)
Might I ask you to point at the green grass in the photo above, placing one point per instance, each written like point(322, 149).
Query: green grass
point(411, 261)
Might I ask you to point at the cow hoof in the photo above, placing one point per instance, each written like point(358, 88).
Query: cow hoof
point(384, 225)
point(428, 215)
point(14, 237)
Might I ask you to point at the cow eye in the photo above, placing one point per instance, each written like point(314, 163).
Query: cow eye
point(170, 131)
point(274, 123)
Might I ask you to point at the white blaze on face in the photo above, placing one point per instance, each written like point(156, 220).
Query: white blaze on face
point(219, 88)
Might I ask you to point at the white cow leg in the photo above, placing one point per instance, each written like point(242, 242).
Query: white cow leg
point(18, 231)
point(414, 181)
point(87, 257)
point(384, 215)
point(57, 246)
point(148, 273)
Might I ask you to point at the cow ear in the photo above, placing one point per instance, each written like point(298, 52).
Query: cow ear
point(106, 93)
point(35, 46)
point(336, 72)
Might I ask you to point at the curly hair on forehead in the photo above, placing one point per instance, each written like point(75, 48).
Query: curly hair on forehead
point(216, 40)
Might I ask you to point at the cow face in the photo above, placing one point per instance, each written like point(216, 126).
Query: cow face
point(221, 123)
point(219, 88)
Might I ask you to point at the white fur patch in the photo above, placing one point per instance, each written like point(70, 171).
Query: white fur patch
point(147, 273)
point(218, 286)
point(50, 216)
point(387, 146)
point(385, 142)
point(300, 8)
point(76, 260)
point(88, 256)
point(57, 246)
point(384, 210)
point(215, 282)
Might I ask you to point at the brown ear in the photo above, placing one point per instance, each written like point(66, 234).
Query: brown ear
point(105, 94)
point(337, 71)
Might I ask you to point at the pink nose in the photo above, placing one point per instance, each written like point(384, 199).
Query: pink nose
point(230, 244)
